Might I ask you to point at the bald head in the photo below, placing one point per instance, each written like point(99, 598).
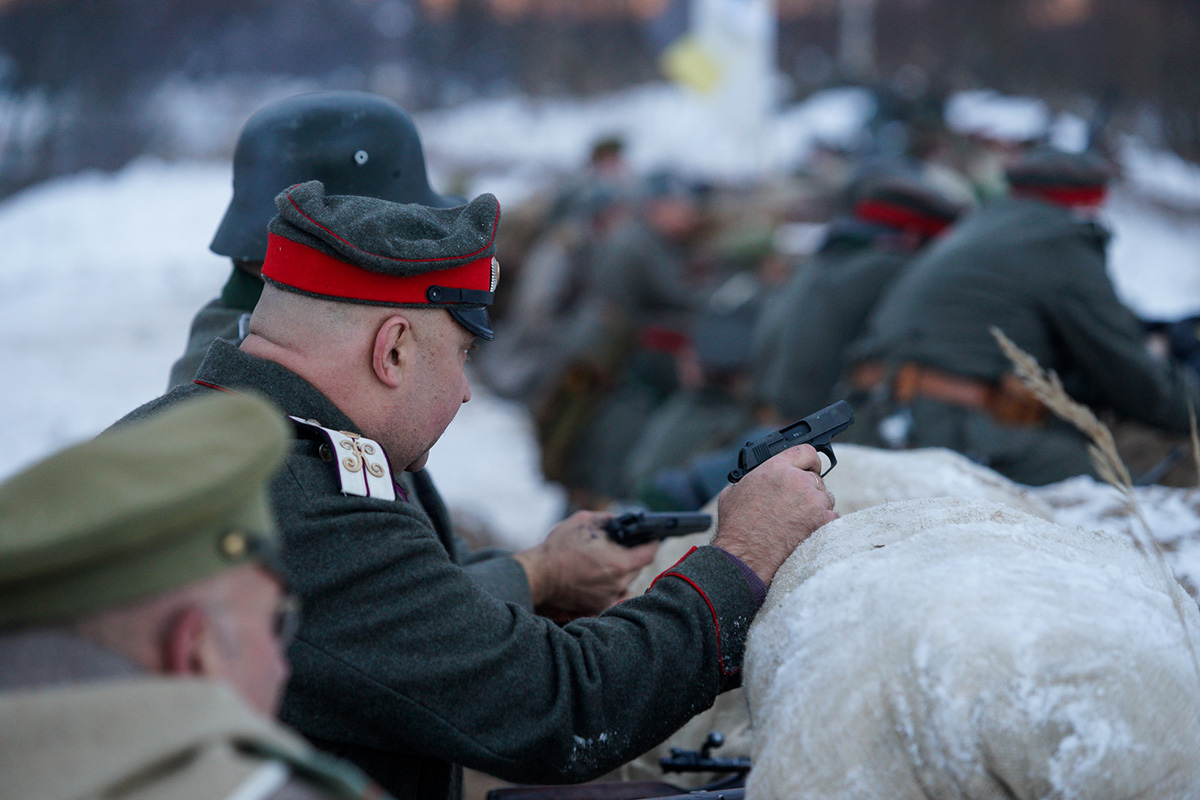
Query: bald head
point(312, 325)
point(380, 365)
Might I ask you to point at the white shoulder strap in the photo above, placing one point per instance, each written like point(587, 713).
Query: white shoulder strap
point(362, 466)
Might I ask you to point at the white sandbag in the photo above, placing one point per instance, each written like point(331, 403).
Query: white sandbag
point(956, 648)
point(868, 476)
point(864, 477)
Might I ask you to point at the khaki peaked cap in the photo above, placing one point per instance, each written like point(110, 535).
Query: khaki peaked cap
point(140, 510)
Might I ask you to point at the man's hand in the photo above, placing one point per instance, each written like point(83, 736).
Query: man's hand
point(763, 518)
point(578, 571)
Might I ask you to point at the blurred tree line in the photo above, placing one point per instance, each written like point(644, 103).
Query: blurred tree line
point(82, 81)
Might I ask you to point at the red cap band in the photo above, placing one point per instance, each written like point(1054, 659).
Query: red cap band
point(1070, 196)
point(309, 270)
point(662, 340)
point(905, 219)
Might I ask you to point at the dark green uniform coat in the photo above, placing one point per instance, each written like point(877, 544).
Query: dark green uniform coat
point(1038, 274)
point(405, 666)
point(801, 342)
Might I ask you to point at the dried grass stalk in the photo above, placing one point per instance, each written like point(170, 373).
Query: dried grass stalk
point(1047, 387)
point(1195, 439)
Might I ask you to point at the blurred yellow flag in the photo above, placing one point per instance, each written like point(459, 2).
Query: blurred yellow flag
point(687, 62)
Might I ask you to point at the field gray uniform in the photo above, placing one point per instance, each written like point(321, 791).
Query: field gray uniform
point(638, 282)
point(1037, 273)
point(686, 425)
point(406, 667)
point(801, 342)
point(226, 318)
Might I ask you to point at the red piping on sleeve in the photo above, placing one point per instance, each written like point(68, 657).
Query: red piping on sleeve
point(199, 382)
point(712, 609)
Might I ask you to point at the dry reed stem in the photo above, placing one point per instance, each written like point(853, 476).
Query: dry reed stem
point(1195, 439)
point(1047, 387)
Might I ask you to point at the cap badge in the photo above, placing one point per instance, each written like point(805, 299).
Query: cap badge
point(495, 274)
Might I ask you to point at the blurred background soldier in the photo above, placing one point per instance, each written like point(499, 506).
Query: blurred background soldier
point(929, 373)
point(642, 294)
point(142, 620)
point(712, 407)
point(801, 340)
point(548, 320)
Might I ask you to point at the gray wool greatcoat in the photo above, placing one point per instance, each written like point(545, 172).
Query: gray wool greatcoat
point(227, 317)
point(1038, 274)
point(801, 340)
point(406, 667)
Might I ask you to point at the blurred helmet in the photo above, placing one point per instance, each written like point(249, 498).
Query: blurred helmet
point(353, 142)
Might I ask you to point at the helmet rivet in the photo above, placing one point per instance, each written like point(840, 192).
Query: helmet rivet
point(361, 157)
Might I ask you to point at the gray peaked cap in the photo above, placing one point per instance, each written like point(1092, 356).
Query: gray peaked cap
point(379, 252)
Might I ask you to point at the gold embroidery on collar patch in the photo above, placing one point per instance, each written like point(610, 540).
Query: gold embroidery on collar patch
point(359, 450)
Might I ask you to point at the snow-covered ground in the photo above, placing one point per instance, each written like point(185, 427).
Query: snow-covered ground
point(102, 274)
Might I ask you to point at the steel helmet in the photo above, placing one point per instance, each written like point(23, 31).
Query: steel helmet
point(353, 142)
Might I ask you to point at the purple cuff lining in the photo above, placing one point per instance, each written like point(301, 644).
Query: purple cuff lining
point(757, 587)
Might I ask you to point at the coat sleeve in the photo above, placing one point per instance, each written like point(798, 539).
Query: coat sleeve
point(400, 651)
point(493, 569)
point(1105, 343)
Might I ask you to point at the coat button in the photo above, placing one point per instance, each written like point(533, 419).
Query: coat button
point(325, 453)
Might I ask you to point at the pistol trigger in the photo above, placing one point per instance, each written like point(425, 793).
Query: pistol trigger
point(828, 451)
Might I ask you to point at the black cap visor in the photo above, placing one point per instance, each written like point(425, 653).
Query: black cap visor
point(475, 319)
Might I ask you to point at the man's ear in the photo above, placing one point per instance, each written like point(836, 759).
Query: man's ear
point(393, 351)
point(190, 645)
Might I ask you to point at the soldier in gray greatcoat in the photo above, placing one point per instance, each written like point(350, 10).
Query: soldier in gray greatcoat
point(710, 413)
point(801, 340)
point(143, 620)
point(929, 373)
point(402, 663)
point(642, 299)
point(359, 144)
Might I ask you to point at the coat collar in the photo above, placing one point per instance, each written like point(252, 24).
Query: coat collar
point(228, 367)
